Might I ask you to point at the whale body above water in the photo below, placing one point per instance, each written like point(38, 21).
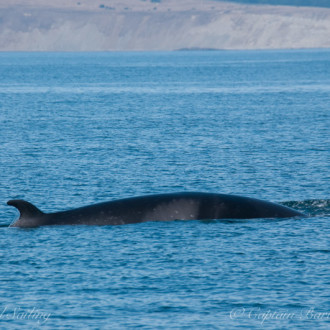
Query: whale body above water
point(161, 207)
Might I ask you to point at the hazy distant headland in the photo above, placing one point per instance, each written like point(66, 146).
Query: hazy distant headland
point(299, 3)
point(106, 25)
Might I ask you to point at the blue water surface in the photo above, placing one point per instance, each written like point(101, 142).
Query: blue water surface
point(82, 128)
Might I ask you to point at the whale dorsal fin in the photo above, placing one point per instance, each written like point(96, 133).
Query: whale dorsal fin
point(26, 209)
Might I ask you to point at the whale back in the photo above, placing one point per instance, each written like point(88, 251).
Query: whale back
point(162, 207)
point(29, 214)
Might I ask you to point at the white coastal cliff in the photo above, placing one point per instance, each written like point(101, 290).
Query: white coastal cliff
point(105, 25)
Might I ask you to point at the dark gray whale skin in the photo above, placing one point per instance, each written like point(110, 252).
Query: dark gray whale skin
point(163, 207)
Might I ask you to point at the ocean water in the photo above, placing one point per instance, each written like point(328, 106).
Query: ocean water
point(82, 128)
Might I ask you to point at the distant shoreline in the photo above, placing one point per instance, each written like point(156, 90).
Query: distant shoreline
point(165, 51)
point(36, 25)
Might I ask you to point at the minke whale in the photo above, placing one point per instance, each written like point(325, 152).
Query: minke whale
point(162, 207)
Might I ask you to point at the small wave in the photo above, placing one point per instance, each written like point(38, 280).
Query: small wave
point(312, 207)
